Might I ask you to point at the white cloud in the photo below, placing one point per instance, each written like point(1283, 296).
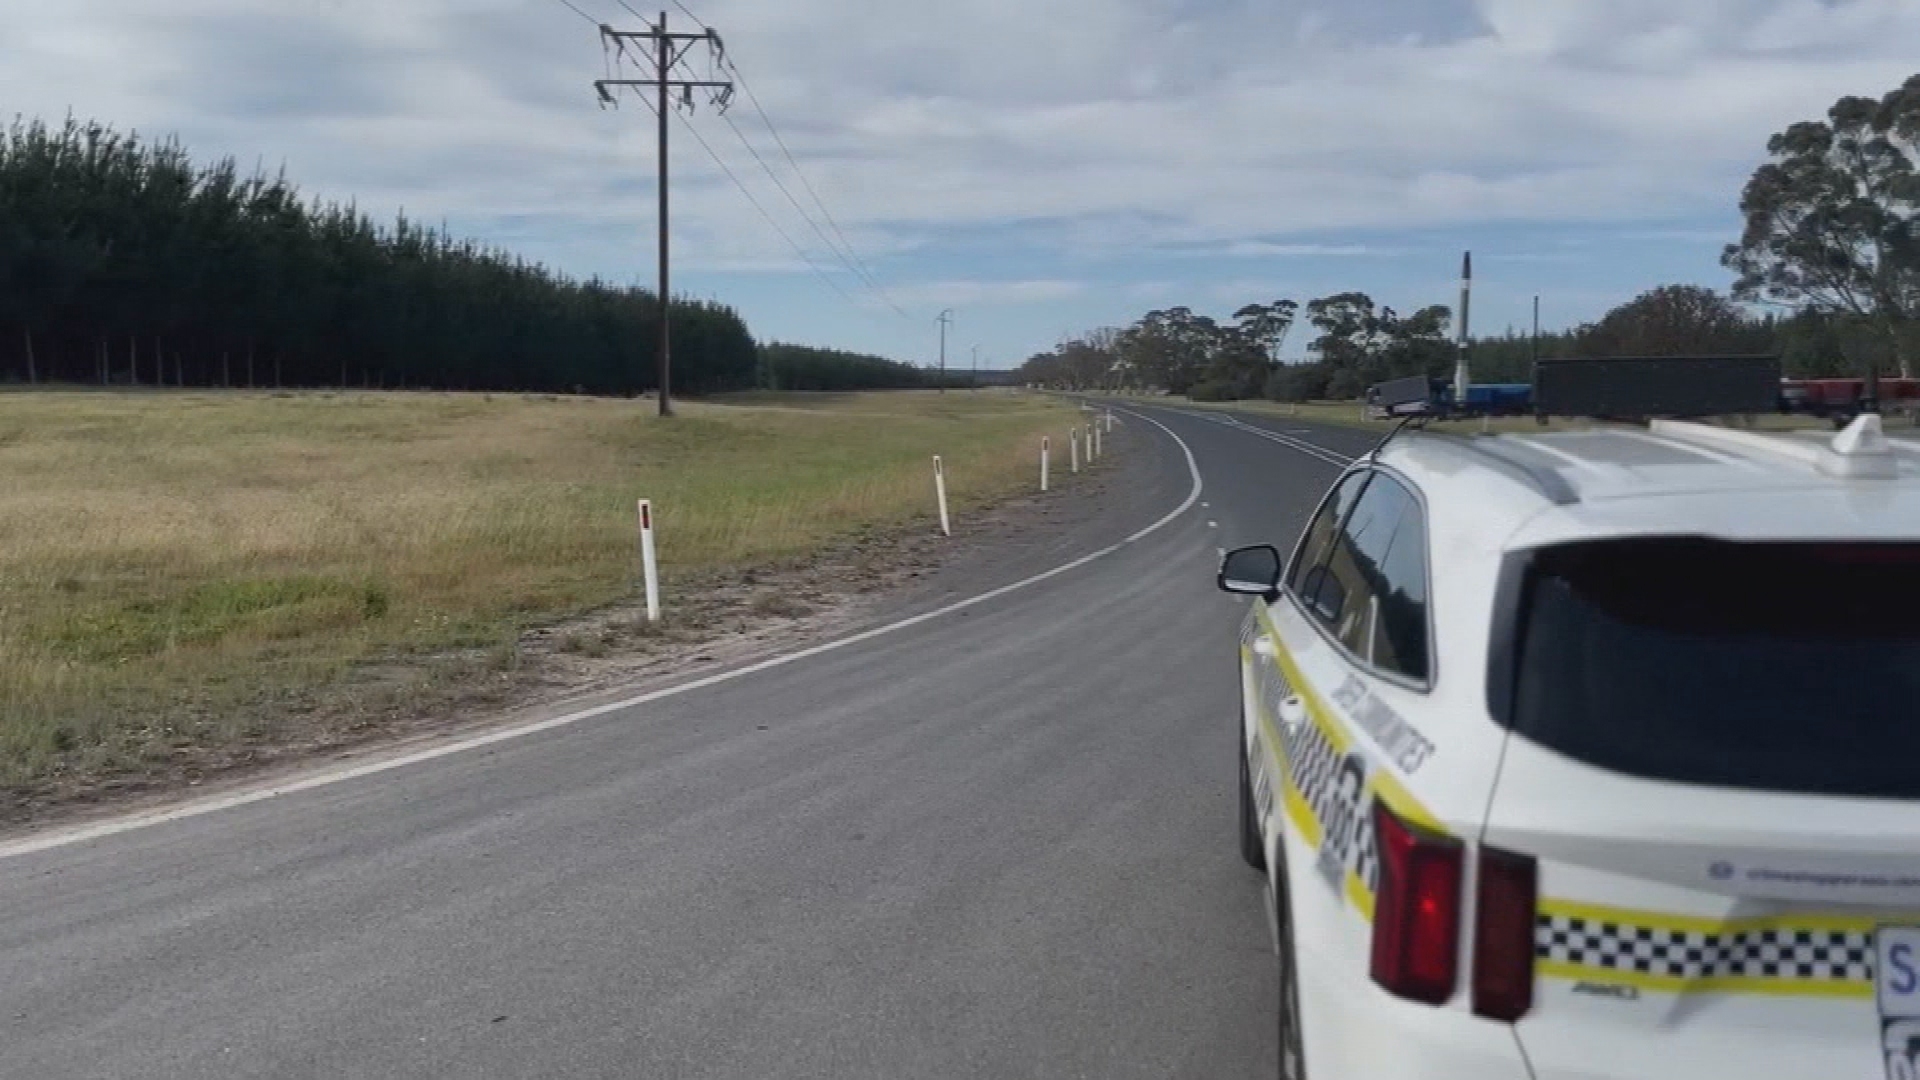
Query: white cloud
point(1530, 257)
point(1267, 249)
point(1260, 128)
point(1235, 293)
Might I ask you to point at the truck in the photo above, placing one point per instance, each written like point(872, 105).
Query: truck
point(1842, 399)
point(1393, 398)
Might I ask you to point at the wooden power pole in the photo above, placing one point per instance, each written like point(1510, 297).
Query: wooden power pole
point(946, 317)
point(665, 50)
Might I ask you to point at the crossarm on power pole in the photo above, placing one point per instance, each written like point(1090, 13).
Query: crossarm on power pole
point(676, 84)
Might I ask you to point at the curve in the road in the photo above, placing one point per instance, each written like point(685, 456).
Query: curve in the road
point(1331, 457)
point(68, 836)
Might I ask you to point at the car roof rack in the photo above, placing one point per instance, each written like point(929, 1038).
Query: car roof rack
point(1500, 455)
point(1635, 388)
point(1860, 449)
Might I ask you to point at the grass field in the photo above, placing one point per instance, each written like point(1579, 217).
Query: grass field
point(176, 570)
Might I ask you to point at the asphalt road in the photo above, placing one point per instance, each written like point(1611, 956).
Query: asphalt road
point(995, 843)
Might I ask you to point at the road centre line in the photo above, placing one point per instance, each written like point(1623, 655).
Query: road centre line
point(1311, 449)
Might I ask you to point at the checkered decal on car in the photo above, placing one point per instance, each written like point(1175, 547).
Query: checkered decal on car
point(1333, 785)
point(1331, 775)
point(1779, 952)
point(1366, 859)
point(1315, 763)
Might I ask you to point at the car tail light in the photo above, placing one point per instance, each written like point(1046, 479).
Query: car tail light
point(1503, 931)
point(1416, 914)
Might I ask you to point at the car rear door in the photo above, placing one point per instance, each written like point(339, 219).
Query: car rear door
point(1350, 690)
point(1714, 769)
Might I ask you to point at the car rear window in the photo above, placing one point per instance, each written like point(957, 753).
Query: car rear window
point(1780, 666)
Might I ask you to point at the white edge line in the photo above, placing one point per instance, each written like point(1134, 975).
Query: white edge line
point(66, 837)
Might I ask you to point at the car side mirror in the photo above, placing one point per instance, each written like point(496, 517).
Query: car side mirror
point(1253, 571)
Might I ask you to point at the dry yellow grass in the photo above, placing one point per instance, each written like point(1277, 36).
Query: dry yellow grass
point(173, 565)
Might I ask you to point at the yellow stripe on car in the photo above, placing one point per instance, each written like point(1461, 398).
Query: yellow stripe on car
point(1296, 804)
point(1706, 924)
point(1333, 728)
point(1786, 953)
point(1714, 984)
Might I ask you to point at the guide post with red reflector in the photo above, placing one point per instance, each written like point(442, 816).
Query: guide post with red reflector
point(940, 492)
point(1073, 444)
point(1093, 431)
point(649, 563)
point(1046, 450)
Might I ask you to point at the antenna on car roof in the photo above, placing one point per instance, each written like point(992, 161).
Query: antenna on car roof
point(1410, 399)
point(1405, 423)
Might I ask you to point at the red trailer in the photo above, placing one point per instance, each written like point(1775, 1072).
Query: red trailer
point(1840, 399)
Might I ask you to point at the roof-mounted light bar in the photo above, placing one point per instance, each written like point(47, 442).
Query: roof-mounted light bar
point(1642, 387)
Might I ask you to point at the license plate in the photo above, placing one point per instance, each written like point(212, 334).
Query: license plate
point(1897, 989)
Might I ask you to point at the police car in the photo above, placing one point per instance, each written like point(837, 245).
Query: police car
point(1593, 754)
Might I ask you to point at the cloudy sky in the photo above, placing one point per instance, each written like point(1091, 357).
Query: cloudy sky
point(1041, 168)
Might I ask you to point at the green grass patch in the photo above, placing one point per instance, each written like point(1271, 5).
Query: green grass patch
point(175, 568)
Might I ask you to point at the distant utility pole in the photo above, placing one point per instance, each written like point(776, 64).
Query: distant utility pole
point(1461, 376)
point(666, 51)
point(945, 318)
point(1536, 328)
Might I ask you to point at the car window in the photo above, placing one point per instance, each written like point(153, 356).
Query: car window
point(1400, 633)
point(1325, 526)
point(1372, 592)
point(1764, 666)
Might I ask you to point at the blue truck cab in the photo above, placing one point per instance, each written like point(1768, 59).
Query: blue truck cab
point(1488, 399)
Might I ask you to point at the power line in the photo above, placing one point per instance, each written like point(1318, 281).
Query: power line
point(804, 214)
point(754, 100)
point(744, 190)
point(582, 14)
point(845, 251)
point(676, 3)
point(670, 52)
point(684, 10)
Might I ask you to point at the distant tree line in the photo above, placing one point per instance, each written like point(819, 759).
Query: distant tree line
point(124, 263)
point(803, 367)
point(1831, 245)
point(1182, 352)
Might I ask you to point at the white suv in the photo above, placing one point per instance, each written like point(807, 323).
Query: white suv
point(1594, 754)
